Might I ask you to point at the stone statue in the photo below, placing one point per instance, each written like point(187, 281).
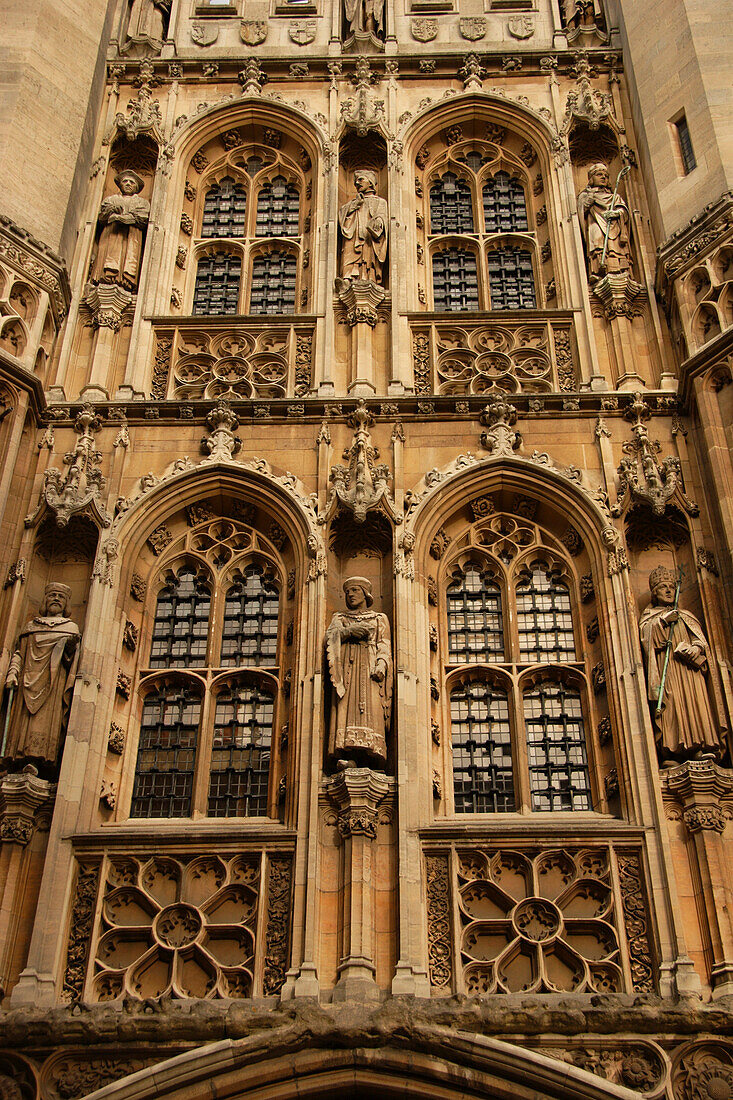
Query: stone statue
point(364, 222)
point(686, 725)
point(582, 13)
point(359, 652)
point(364, 16)
point(42, 671)
point(593, 211)
point(148, 23)
point(120, 247)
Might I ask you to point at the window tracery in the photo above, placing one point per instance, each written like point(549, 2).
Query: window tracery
point(518, 699)
point(206, 723)
point(251, 196)
point(478, 220)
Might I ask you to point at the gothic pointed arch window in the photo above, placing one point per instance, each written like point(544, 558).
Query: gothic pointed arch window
point(249, 201)
point(211, 676)
point(480, 220)
point(518, 692)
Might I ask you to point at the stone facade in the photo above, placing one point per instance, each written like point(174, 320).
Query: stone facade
point(367, 508)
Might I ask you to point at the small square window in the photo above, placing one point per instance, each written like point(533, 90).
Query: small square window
point(684, 144)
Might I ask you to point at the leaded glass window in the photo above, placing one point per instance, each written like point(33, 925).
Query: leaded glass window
point(505, 207)
point(278, 209)
point(483, 779)
point(216, 292)
point(455, 280)
point(240, 757)
point(250, 621)
point(544, 618)
point(273, 283)
point(181, 624)
point(511, 279)
point(225, 210)
point(166, 753)
point(475, 627)
point(558, 764)
point(451, 209)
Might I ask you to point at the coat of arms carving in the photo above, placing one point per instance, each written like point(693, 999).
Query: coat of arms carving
point(302, 31)
point(253, 31)
point(520, 26)
point(472, 27)
point(204, 34)
point(423, 29)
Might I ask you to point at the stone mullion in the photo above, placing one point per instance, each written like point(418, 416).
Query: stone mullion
point(305, 768)
point(677, 972)
point(414, 781)
point(82, 767)
point(573, 256)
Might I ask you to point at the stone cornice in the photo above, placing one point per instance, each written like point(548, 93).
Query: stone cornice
point(37, 262)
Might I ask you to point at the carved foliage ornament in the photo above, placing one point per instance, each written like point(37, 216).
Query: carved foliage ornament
point(363, 485)
point(79, 492)
point(82, 915)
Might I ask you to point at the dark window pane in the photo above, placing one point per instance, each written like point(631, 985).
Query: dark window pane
point(511, 280)
point(250, 622)
point(689, 160)
point(482, 755)
point(278, 207)
point(181, 624)
point(240, 757)
point(225, 210)
point(505, 208)
point(217, 284)
point(455, 280)
point(558, 763)
point(544, 620)
point(475, 625)
point(166, 753)
point(273, 283)
point(451, 210)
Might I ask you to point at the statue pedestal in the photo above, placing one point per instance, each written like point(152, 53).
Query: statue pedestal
point(620, 299)
point(357, 794)
point(107, 303)
point(361, 300)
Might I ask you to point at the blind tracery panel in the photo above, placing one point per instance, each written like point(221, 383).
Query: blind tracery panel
point(240, 758)
point(166, 753)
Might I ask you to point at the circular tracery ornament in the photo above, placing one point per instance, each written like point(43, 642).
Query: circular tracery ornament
point(178, 925)
point(537, 919)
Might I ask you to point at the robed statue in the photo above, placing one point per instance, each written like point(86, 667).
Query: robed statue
point(124, 217)
point(359, 652)
point(41, 679)
point(364, 222)
point(685, 723)
point(599, 213)
point(364, 16)
point(582, 13)
point(148, 23)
